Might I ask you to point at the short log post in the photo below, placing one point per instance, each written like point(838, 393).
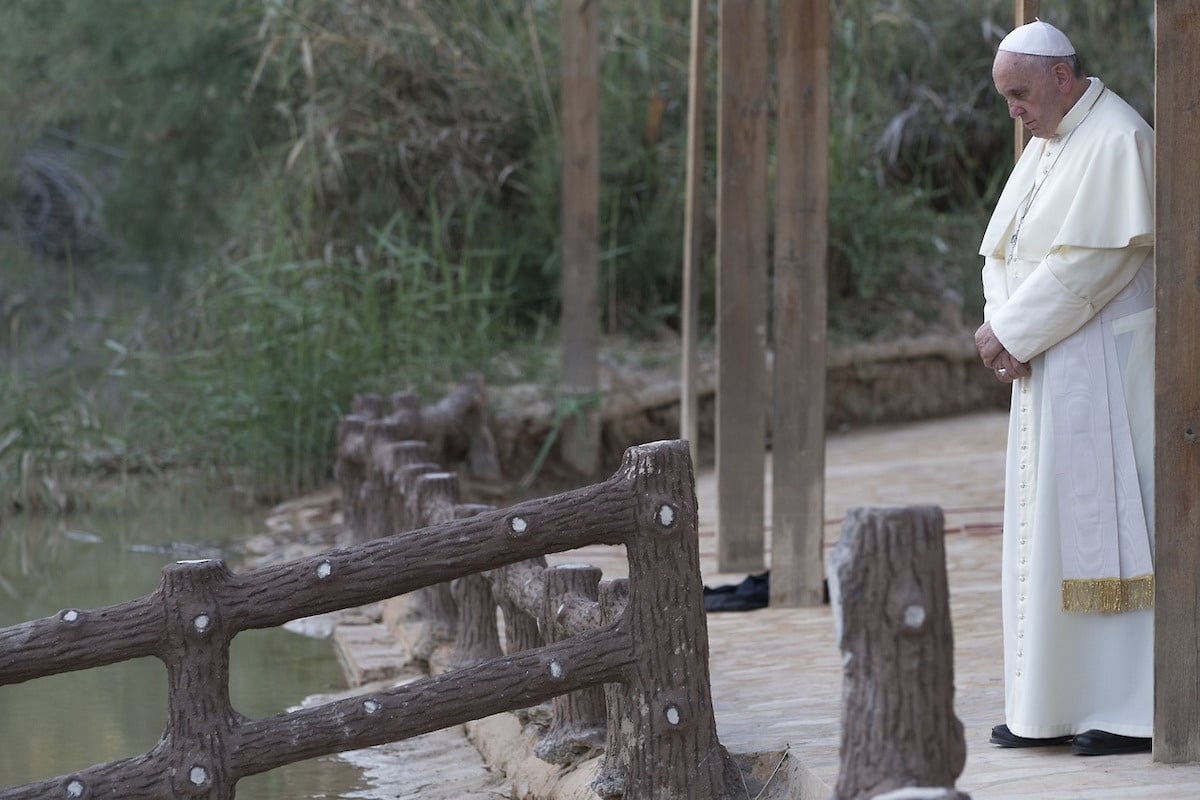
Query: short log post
point(350, 467)
point(578, 721)
point(521, 631)
point(403, 503)
point(892, 611)
point(477, 638)
point(610, 780)
point(369, 405)
point(200, 719)
point(396, 457)
point(672, 744)
point(434, 496)
point(406, 403)
point(378, 436)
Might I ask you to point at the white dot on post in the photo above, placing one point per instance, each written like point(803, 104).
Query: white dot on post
point(198, 775)
point(74, 789)
point(324, 570)
point(201, 622)
point(556, 670)
point(914, 616)
point(371, 706)
point(673, 715)
point(666, 515)
point(518, 525)
point(70, 615)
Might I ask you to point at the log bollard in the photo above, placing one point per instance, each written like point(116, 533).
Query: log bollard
point(892, 611)
point(521, 631)
point(368, 404)
point(578, 721)
point(405, 403)
point(434, 497)
point(350, 468)
point(610, 780)
point(378, 435)
point(477, 639)
point(396, 457)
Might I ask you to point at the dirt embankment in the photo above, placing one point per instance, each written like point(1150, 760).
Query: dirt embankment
point(866, 383)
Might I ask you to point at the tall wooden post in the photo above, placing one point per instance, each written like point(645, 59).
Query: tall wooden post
point(693, 218)
point(801, 236)
point(1026, 11)
point(580, 229)
point(742, 284)
point(1177, 386)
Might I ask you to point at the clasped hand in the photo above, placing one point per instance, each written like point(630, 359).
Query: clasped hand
point(997, 358)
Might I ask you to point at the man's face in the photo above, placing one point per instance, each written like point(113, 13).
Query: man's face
point(1034, 94)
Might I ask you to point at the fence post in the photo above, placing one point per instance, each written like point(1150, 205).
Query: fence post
point(368, 404)
point(521, 631)
point(350, 466)
point(477, 639)
point(610, 780)
point(672, 743)
point(434, 496)
point(200, 719)
point(577, 722)
point(378, 436)
point(892, 613)
point(396, 457)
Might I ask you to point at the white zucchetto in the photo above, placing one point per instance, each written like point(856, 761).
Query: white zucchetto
point(1038, 38)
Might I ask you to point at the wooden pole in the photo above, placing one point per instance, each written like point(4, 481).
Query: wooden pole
point(742, 284)
point(581, 227)
point(693, 218)
point(801, 237)
point(1177, 386)
point(1026, 11)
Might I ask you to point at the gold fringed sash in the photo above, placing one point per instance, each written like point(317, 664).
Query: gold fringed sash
point(1108, 595)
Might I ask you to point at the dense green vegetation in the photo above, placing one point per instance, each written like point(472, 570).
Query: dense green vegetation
point(223, 217)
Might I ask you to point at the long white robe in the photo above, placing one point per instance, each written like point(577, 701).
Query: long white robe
point(1078, 279)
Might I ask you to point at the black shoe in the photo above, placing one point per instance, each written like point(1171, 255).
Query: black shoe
point(1002, 736)
point(1102, 743)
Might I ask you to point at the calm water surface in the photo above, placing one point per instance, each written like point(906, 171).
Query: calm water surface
point(59, 724)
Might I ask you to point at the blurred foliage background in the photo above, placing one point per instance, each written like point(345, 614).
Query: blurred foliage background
point(220, 218)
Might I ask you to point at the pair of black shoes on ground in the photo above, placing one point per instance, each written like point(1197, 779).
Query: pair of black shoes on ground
point(1088, 743)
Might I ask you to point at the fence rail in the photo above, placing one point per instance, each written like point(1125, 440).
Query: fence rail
point(655, 650)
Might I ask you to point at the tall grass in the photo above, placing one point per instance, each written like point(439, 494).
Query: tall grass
point(382, 182)
point(272, 347)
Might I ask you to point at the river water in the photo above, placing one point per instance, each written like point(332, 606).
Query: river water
point(55, 725)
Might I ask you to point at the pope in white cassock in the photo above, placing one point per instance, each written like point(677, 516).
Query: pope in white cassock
point(1068, 282)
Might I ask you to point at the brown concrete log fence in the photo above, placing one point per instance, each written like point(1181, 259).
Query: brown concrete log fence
point(381, 436)
point(656, 649)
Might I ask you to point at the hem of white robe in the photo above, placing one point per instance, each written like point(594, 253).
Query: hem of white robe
point(1073, 729)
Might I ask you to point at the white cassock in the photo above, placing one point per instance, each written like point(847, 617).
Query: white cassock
point(1069, 287)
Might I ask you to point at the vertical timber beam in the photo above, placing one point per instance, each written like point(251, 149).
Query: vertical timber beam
point(742, 284)
point(1177, 384)
point(801, 238)
point(693, 218)
point(1025, 11)
point(580, 229)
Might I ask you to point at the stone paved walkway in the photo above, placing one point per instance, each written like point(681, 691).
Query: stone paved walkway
point(777, 672)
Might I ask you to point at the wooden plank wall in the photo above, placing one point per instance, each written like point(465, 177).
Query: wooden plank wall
point(801, 238)
point(1177, 384)
point(741, 284)
point(580, 232)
